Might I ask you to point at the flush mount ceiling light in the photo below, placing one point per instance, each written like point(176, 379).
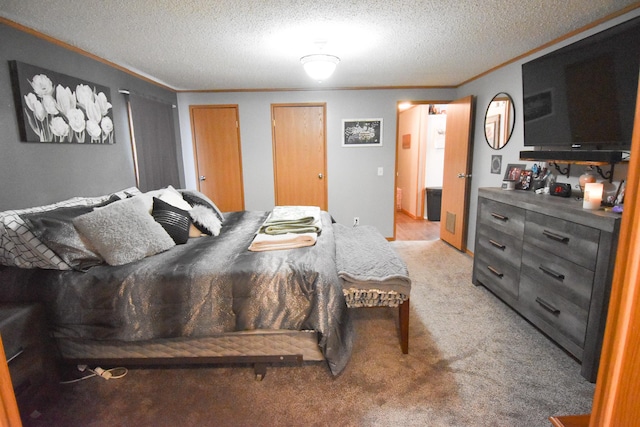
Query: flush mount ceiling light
point(319, 66)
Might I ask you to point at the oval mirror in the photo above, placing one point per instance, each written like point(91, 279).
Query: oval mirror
point(499, 120)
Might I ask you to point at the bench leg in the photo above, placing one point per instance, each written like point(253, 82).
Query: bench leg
point(404, 326)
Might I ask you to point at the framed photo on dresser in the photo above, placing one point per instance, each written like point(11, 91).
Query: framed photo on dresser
point(513, 171)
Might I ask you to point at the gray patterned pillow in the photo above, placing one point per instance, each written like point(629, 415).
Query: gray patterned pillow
point(124, 231)
point(21, 248)
point(55, 229)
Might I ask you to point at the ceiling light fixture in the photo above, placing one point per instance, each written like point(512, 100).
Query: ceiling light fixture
point(319, 66)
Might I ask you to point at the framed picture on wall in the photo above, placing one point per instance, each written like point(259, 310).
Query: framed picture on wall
point(496, 164)
point(362, 132)
point(55, 107)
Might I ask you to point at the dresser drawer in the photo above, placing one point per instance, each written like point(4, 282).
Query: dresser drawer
point(558, 318)
point(574, 242)
point(502, 246)
point(499, 276)
point(555, 295)
point(570, 281)
point(501, 217)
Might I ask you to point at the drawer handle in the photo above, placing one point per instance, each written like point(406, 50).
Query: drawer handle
point(500, 217)
point(550, 308)
point(494, 271)
point(20, 351)
point(551, 273)
point(556, 237)
point(497, 245)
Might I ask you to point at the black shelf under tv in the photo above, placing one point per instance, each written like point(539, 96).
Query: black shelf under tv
point(569, 156)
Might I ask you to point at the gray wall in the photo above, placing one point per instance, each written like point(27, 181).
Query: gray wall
point(355, 189)
point(33, 174)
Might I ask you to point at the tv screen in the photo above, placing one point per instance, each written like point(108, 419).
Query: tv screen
point(584, 95)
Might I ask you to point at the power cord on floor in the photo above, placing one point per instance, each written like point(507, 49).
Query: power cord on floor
point(107, 374)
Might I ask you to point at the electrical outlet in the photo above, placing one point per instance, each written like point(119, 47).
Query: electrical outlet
point(356, 221)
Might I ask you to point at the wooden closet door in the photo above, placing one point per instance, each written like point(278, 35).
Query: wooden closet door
point(216, 145)
point(299, 153)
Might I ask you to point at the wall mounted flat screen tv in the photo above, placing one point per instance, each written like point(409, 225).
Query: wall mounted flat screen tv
point(583, 95)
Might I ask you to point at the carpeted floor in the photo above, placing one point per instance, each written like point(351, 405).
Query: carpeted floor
point(472, 362)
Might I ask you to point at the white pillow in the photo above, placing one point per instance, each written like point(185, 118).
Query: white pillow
point(194, 197)
point(205, 220)
point(169, 195)
point(173, 197)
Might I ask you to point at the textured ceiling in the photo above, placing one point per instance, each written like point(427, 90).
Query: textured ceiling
point(245, 44)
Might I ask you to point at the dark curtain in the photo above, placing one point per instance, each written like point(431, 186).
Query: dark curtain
point(155, 147)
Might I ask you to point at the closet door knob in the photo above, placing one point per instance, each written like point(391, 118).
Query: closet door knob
point(202, 177)
point(320, 176)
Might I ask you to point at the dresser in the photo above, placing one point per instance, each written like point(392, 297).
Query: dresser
point(29, 354)
point(552, 262)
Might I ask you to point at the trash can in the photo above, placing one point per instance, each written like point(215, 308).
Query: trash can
point(434, 200)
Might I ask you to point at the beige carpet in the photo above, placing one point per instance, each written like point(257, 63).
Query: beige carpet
point(472, 362)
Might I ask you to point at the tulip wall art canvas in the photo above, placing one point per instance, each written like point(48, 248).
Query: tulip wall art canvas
point(56, 108)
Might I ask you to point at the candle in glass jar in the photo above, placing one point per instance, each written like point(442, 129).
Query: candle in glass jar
point(592, 195)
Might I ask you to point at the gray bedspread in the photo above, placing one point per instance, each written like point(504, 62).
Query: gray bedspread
point(209, 286)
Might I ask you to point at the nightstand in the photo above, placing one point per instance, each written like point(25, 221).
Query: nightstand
point(30, 355)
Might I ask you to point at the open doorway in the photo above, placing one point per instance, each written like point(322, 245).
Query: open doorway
point(419, 169)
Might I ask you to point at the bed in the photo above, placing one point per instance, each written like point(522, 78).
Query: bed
point(119, 291)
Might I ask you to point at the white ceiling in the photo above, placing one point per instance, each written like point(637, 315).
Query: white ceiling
point(246, 44)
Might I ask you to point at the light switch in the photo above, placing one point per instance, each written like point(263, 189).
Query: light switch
point(380, 171)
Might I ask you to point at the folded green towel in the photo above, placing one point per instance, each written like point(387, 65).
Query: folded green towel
point(298, 221)
point(289, 228)
point(292, 219)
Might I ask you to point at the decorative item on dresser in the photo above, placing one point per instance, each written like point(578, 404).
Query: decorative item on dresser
point(552, 262)
point(28, 350)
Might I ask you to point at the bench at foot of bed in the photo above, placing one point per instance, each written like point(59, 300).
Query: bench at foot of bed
point(376, 298)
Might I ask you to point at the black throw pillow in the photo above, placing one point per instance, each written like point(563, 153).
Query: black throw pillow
point(175, 221)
